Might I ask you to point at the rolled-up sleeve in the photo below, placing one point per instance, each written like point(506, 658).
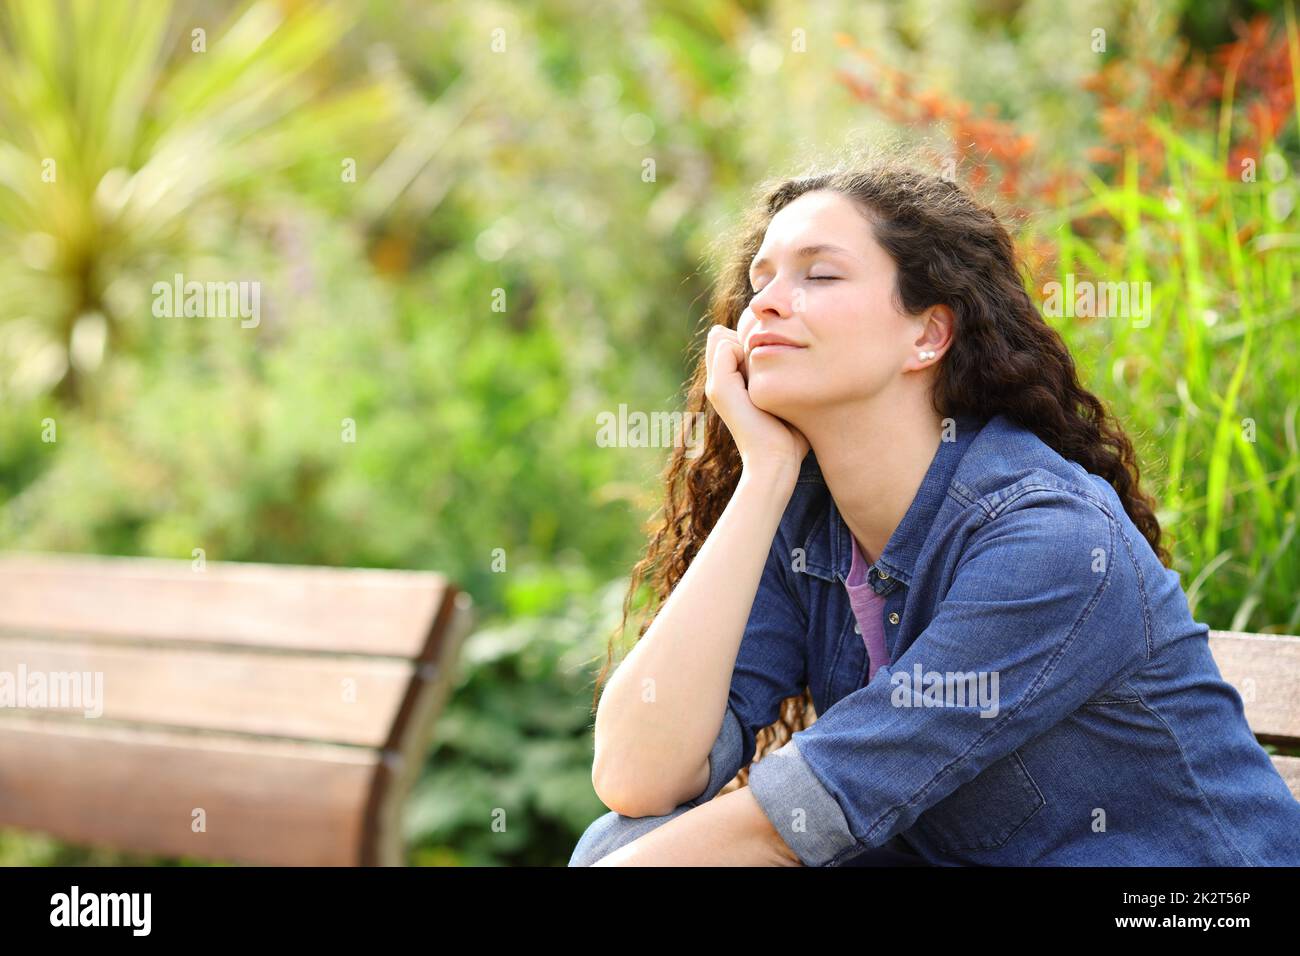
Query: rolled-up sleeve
point(771, 665)
point(1045, 609)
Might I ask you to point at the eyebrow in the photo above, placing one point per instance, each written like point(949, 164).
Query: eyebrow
point(805, 252)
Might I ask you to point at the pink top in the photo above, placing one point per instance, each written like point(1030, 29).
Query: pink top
point(868, 608)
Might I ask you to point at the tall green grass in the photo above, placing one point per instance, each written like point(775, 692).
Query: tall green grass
point(1208, 386)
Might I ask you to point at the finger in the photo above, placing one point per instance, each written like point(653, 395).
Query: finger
point(723, 367)
point(738, 351)
point(724, 361)
point(717, 334)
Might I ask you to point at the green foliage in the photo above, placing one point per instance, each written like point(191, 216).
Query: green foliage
point(502, 270)
point(128, 151)
point(509, 778)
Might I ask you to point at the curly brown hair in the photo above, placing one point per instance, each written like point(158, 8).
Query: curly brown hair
point(950, 249)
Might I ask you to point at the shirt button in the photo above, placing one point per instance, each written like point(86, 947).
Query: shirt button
point(893, 617)
point(884, 575)
point(857, 628)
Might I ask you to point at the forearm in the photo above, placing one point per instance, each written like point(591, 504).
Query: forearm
point(729, 830)
point(662, 709)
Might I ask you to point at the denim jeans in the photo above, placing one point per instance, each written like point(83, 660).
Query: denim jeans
point(613, 830)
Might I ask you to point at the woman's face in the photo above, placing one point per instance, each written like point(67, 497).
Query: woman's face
point(821, 282)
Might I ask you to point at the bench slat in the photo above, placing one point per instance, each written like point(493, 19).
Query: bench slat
point(292, 607)
point(206, 677)
point(266, 802)
point(1265, 670)
point(279, 695)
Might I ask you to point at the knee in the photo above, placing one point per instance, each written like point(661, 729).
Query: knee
point(609, 832)
point(600, 838)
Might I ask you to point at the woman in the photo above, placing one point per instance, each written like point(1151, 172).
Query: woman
point(911, 516)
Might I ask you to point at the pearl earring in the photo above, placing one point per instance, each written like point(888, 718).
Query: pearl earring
point(926, 355)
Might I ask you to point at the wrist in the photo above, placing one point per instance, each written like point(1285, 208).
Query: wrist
point(779, 472)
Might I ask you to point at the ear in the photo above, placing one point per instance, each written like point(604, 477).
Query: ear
point(934, 339)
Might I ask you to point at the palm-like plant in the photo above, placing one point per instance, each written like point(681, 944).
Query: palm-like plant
point(137, 136)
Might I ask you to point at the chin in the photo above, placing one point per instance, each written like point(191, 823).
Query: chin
point(773, 396)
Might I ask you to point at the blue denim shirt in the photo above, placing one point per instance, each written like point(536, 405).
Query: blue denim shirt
point(1047, 698)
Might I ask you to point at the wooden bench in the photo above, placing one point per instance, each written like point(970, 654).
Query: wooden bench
point(250, 713)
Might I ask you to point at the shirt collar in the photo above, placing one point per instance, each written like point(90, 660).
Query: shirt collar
point(829, 546)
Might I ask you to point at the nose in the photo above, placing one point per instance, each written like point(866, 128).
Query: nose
point(772, 300)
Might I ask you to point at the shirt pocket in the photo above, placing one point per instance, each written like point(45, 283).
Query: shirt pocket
point(986, 811)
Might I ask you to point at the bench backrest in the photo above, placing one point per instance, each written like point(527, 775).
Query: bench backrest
point(254, 713)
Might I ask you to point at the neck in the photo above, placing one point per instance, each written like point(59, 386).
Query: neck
point(873, 461)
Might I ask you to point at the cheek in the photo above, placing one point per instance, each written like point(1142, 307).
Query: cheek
point(859, 322)
point(744, 322)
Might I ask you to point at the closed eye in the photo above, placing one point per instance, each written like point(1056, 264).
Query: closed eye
point(754, 292)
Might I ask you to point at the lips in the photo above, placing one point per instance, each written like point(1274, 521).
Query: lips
point(766, 343)
point(770, 342)
point(772, 350)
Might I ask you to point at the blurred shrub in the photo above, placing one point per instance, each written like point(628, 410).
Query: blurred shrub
point(509, 779)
